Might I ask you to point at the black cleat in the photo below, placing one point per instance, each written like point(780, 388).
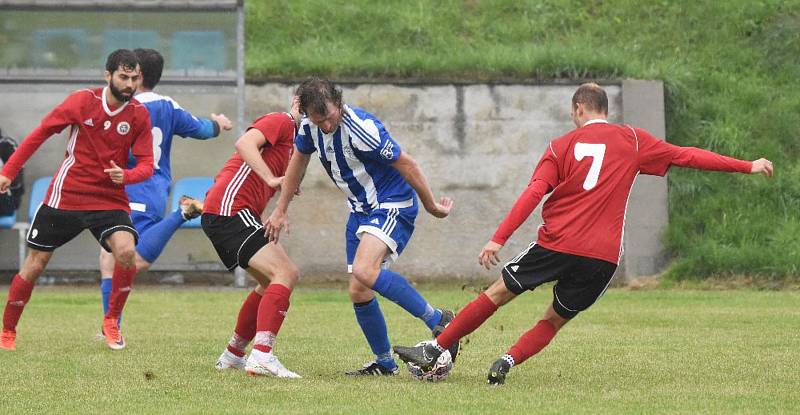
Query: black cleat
point(498, 372)
point(423, 356)
point(447, 317)
point(374, 369)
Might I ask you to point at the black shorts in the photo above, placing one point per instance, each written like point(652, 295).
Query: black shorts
point(236, 238)
point(52, 228)
point(580, 280)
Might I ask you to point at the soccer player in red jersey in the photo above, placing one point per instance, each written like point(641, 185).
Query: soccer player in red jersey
point(589, 173)
point(88, 190)
point(231, 220)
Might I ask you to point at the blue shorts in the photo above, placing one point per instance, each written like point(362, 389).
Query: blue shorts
point(142, 221)
point(392, 223)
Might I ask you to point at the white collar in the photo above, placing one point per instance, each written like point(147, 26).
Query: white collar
point(105, 105)
point(595, 121)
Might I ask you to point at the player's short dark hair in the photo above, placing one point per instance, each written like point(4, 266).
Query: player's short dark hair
point(152, 64)
point(315, 93)
point(124, 58)
point(592, 96)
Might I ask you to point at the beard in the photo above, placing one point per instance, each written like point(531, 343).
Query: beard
point(118, 93)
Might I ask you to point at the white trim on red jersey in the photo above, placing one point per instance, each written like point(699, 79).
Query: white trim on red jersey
point(105, 105)
point(233, 188)
point(58, 181)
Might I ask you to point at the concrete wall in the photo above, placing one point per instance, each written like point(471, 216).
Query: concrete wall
point(476, 143)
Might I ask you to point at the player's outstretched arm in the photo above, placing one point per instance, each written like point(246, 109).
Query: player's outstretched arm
point(5, 182)
point(291, 185)
point(411, 171)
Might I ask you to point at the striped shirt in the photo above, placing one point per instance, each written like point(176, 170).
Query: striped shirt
point(357, 156)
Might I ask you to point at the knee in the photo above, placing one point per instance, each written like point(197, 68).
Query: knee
point(365, 273)
point(125, 256)
point(291, 274)
point(34, 266)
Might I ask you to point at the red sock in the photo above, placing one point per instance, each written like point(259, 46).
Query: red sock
point(271, 312)
point(245, 324)
point(121, 285)
point(18, 295)
point(532, 342)
point(467, 320)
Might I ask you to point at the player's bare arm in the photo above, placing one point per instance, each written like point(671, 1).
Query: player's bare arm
point(410, 170)
point(291, 183)
point(249, 147)
point(5, 182)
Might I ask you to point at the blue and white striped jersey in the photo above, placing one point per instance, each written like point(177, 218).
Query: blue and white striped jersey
point(358, 157)
point(167, 118)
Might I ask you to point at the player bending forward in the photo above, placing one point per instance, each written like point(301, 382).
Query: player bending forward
point(231, 220)
point(590, 172)
point(88, 190)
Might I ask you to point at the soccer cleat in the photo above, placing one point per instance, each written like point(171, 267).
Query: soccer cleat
point(8, 340)
point(261, 363)
point(447, 317)
point(424, 355)
point(374, 369)
point(190, 207)
point(228, 360)
point(114, 338)
point(498, 372)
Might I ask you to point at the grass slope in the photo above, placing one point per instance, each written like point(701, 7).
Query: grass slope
point(730, 70)
point(635, 352)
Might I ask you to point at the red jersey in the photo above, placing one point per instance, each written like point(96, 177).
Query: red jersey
point(97, 136)
point(590, 171)
point(236, 187)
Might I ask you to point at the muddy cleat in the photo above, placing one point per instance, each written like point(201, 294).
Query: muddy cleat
point(190, 207)
point(267, 364)
point(374, 369)
point(498, 372)
point(228, 360)
point(424, 355)
point(114, 338)
point(447, 317)
point(8, 340)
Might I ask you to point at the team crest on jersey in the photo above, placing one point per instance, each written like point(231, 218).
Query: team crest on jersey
point(123, 128)
point(348, 152)
point(388, 150)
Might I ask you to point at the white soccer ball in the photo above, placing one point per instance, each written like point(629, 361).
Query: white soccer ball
point(440, 370)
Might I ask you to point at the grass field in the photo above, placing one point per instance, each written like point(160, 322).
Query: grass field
point(652, 351)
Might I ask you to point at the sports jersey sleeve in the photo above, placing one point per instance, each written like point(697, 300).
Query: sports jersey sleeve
point(657, 156)
point(371, 138)
point(142, 150)
point(303, 141)
point(60, 117)
point(185, 124)
point(270, 127)
point(543, 180)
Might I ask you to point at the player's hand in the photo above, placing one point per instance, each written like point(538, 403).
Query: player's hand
point(116, 173)
point(275, 182)
point(443, 208)
point(5, 183)
point(488, 256)
point(274, 224)
point(762, 166)
point(222, 120)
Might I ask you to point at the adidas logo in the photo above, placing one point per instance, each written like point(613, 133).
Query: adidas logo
point(375, 221)
point(514, 268)
point(16, 303)
point(89, 122)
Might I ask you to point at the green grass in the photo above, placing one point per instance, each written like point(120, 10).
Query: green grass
point(729, 67)
point(653, 351)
